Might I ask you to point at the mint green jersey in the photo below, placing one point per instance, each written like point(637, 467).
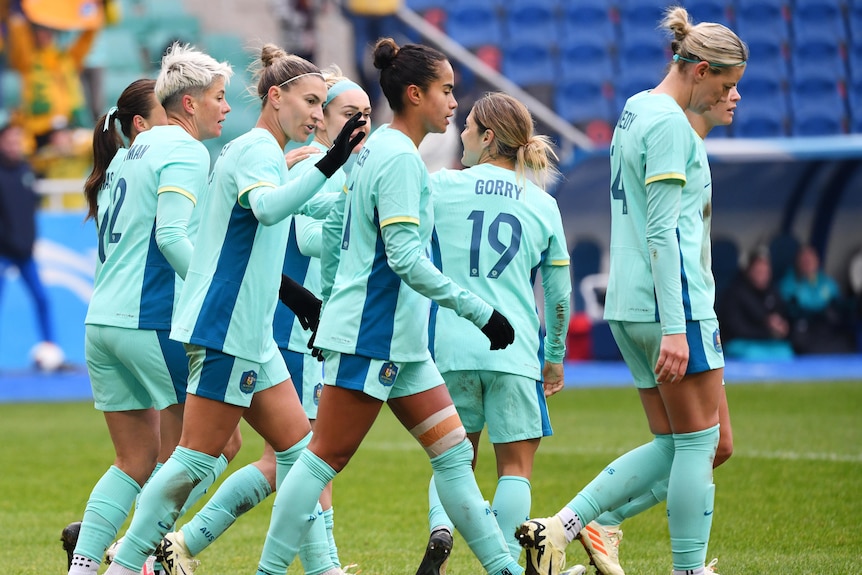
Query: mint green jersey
point(302, 257)
point(379, 304)
point(136, 286)
point(231, 289)
point(661, 202)
point(492, 234)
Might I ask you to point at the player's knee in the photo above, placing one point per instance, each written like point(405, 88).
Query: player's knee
point(440, 431)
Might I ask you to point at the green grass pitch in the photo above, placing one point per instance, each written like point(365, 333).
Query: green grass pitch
point(789, 501)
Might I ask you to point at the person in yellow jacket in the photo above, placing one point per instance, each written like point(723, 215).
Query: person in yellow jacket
point(52, 94)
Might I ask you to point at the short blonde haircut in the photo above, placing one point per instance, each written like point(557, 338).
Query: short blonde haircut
point(512, 124)
point(186, 69)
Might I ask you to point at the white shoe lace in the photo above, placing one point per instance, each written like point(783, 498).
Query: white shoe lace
point(710, 568)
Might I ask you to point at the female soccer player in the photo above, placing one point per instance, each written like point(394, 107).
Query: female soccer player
point(226, 308)
point(250, 485)
point(143, 204)
point(374, 324)
point(493, 231)
point(660, 301)
point(133, 425)
point(601, 537)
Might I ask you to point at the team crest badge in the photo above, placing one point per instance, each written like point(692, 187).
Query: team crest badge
point(247, 381)
point(388, 373)
point(318, 389)
point(716, 341)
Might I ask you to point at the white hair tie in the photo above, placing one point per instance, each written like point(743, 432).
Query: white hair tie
point(113, 110)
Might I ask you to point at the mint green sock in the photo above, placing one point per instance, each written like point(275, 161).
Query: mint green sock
point(240, 492)
point(294, 512)
point(107, 508)
point(160, 504)
point(464, 504)
point(329, 522)
point(436, 514)
point(284, 460)
point(511, 507)
point(690, 497)
point(639, 504)
point(201, 488)
point(629, 475)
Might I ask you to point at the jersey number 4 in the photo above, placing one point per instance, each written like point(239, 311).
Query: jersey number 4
point(106, 229)
point(507, 251)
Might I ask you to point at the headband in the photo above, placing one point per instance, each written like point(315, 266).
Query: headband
point(289, 80)
point(339, 88)
point(113, 110)
point(677, 58)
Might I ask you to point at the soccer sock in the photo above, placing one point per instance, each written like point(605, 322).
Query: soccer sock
point(314, 551)
point(293, 512)
point(641, 503)
point(511, 507)
point(630, 474)
point(201, 488)
point(460, 496)
point(698, 571)
point(437, 518)
point(690, 497)
point(83, 566)
point(160, 505)
point(284, 460)
point(109, 505)
point(241, 491)
point(329, 522)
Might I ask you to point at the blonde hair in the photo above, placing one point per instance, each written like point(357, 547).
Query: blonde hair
point(278, 68)
point(512, 124)
point(707, 42)
point(186, 69)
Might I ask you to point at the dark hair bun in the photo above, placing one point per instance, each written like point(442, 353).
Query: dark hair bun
point(384, 53)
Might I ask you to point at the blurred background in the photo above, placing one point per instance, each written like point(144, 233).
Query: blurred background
point(786, 174)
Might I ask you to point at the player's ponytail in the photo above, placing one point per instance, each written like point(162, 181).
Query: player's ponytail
point(514, 139)
point(136, 100)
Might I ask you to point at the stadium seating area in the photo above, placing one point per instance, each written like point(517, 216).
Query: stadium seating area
point(585, 58)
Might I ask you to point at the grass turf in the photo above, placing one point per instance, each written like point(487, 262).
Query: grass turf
point(787, 502)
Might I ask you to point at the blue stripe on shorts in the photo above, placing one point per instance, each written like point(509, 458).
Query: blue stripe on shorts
point(295, 363)
point(352, 371)
point(215, 375)
point(697, 360)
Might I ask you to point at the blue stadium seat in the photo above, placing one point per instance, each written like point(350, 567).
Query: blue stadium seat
point(423, 5)
point(854, 20)
point(580, 101)
point(762, 19)
point(630, 83)
point(643, 59)
point(474, 25)
point(718, 11)
point(820, 58)
point(763, 115)
point(533, 21)
point(854, 59)
point(639, 21)
point(766, 57)
point(588, 21)
point(587, 58)
point(226, 47)
point(816, 19)
point(818, 107)
point(529, 63)
point(854, 104)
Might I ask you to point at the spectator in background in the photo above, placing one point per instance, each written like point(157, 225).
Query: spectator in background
point(819, 314)
point(371, 19)
point(296, 19)
point(754, 323)
point(18, 205)
point(52, 93)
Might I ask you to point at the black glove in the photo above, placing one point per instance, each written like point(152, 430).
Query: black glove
point(342, 147)
point(315, 351)
point(301, 302)
point(499, 331)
